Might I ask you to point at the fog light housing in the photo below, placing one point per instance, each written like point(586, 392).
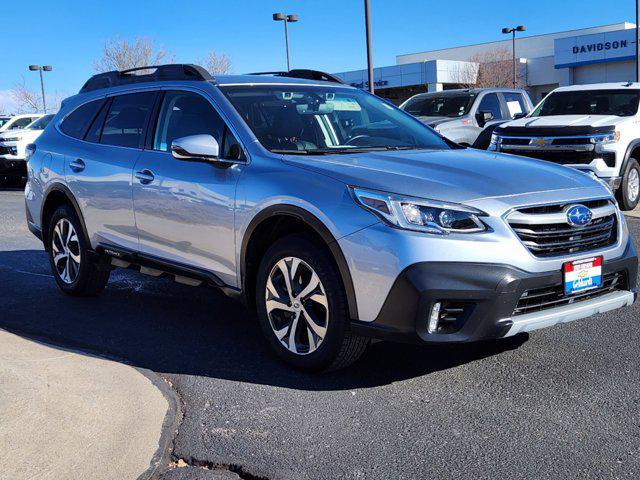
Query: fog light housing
point(448, 316)
point(434, 317)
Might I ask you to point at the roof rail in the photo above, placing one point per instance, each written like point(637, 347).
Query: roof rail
point(176, 71)
point(304, 73)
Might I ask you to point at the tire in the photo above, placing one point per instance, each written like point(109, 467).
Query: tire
point(322, 340)
point(629, 191)
point(77, 271)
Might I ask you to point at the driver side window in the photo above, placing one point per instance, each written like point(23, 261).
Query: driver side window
point(186, 113)
point(491, 103)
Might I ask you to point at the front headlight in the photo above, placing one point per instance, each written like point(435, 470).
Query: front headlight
point(495, 141)
point(604, 138)
point(418, 214)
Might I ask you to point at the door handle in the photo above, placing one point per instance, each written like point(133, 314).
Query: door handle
point(145, 176)
point(76, 165)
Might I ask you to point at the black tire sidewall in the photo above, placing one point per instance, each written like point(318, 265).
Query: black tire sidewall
point(78, 284)
point(623, 199)
point(318, 258)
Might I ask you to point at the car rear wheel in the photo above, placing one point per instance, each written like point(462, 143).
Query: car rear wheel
point(77, 271)
point(302, 307)
point(629, 191)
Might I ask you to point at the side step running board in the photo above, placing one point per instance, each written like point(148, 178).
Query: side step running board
point(156, 267)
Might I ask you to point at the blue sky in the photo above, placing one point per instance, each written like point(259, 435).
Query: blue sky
point(70, 34)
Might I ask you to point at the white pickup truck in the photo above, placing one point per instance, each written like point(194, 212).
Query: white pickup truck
point(595, 128)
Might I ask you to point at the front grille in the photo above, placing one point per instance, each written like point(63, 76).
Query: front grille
point(563, 157)
point(5, 150)
point(559, 207)
point(547, 239)
point(553, 296)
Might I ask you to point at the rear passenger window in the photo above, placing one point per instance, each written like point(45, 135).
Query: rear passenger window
point(77, 123)
point(127, 119)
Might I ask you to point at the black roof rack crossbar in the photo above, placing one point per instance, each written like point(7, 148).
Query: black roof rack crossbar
point(176, 71)
point(304, 73)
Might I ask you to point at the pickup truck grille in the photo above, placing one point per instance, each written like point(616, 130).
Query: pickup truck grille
point(546, 232)
point(553, 296)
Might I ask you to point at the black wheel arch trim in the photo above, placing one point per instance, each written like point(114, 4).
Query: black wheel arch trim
point(60, 188)
point(630, 148)
point(321, 229)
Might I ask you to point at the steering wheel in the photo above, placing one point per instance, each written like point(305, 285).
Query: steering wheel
point(357, 138)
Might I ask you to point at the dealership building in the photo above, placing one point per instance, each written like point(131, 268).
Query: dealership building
point(589, 55)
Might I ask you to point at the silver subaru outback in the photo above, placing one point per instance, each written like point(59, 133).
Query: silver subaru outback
point(337, 217)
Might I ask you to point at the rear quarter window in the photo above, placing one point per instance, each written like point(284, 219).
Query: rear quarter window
point(77, 123)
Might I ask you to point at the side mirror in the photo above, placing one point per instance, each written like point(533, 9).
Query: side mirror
point(195, 147)
point(519, 115)
point(483, 117)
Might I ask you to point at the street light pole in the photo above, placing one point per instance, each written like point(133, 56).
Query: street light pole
point(367, 20)
point(278, 17)
point(512, 31)
point(43, 68)
point(637, 37)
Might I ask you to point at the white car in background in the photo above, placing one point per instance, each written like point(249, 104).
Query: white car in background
point(8, 122)
point(13, 145)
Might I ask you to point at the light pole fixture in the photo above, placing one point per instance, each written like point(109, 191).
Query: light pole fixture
point(282, 17)
point(637, 37)
point(43, 68)
point(512, 31)
point(367, 24)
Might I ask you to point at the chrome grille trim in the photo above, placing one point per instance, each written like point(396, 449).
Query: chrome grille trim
point(550, 234)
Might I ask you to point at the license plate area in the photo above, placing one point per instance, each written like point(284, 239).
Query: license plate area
point(582, 275)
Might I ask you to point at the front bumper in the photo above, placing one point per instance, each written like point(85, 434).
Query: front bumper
point(12, 167)
point(489, 294)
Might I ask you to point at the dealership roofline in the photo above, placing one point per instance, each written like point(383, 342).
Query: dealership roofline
point(620, 25)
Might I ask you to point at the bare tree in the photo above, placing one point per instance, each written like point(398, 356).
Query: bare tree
point(216, 63)
point(25, 98)
point(494, 68)
point(120, 54)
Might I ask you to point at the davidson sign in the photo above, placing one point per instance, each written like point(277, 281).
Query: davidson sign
point(598, 47)
point(614, 46)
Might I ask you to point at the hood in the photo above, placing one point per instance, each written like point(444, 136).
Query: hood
point(22, 133)
point(435, 121)
point(460, 176)
point(559, 121)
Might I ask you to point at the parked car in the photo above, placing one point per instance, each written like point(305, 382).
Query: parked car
point(13, 143)
point(336, 216)
point(593, 128)
point(462, 115)
point(17, 121)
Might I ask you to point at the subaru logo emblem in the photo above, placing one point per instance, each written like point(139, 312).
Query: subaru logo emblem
point(578, 215)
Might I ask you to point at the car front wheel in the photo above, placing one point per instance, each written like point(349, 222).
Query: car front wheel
point(302, 307)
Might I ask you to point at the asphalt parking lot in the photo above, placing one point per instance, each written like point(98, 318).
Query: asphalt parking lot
point(560, 403)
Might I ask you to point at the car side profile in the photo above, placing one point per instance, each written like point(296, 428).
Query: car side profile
point(335, 216)
point(462, 115)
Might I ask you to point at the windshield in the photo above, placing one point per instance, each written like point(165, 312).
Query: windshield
point(440, 106)
point(622, 103)
point(4, 120)
point(316, 119)
point(40, 123)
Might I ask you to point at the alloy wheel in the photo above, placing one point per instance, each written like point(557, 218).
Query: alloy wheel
point(633, 185)
point(66, 251)
point(297, 305)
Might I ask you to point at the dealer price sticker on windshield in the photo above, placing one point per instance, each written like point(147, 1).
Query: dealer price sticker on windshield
point(582, 275)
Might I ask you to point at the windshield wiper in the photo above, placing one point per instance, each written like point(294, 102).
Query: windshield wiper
point(331, 151)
